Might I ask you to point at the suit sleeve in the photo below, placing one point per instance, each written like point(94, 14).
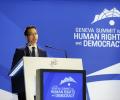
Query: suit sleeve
point(17, 56)
point(45, 54)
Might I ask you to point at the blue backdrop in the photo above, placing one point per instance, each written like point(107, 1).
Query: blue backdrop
point(56, 22)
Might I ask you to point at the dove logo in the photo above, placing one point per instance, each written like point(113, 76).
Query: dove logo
point(64, 91)
point(113, 13)
point(106, 84)
point(67, 80)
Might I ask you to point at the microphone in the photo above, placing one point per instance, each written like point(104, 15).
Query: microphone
point(65, 52)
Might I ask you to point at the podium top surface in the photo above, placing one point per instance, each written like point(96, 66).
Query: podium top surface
point(36, 60)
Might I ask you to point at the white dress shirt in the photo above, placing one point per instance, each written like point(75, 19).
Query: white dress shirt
point(36, 49)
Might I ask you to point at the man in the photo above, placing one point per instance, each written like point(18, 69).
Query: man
point(31, 49)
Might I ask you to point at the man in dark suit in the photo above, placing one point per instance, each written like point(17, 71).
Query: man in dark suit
point(31, 49)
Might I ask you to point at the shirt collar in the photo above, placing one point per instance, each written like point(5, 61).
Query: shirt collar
point(30, 46)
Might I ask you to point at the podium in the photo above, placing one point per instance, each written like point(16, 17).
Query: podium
point(5, 95)
point(31, 64)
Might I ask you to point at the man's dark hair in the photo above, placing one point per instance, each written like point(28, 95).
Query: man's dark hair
point(27, 28)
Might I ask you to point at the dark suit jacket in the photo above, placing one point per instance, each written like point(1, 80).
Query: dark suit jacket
point(20, 52)
point(18, 79)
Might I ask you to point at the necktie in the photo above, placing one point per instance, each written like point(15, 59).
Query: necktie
point(33, 51)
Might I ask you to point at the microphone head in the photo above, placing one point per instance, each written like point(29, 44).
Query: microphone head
point(48, 46)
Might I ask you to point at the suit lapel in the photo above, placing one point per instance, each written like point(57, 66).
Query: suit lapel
point(39, 52)
point(27, 51)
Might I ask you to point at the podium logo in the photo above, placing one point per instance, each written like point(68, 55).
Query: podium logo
point(68, 80)
point(107, 14)
point(62, 90)
point(53, 62)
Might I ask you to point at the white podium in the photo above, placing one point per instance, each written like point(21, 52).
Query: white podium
point(31, 64)
point(5, 95)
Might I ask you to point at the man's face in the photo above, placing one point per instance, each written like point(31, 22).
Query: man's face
point(32, 36)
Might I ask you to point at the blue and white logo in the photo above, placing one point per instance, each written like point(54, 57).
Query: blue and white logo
point(68, 80)
point(107, 14)
point(62, 90)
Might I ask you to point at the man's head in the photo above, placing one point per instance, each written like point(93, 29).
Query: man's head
point(31, 35)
